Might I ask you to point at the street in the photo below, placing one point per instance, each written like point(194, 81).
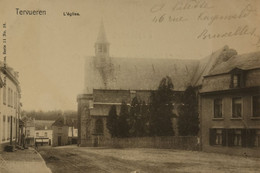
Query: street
point(92, 160)
point(22, 161)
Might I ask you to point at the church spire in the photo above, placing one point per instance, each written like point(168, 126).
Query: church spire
point(102, 45)
point(102, 38)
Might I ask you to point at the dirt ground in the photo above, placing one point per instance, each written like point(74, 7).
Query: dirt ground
point(142, 160)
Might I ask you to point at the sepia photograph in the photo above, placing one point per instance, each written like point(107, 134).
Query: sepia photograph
point(129, 86)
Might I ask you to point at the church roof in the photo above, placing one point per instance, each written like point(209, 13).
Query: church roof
point(146, 74)
point(140, 73)
point(113, 73)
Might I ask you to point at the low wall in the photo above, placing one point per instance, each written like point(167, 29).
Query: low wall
point(169, 142)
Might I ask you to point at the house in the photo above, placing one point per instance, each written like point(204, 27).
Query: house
point(10, 133)
point(64, 131)
point(230, 106)
point(43, 132)
point(29, 130)
point(72, 131)
point(59, 132)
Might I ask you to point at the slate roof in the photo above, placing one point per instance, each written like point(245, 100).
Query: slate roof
point(245, 62)
point(139, 73)
point(113, 73)
point(65, 121)
point(205, 65)
point(9, 69)
point(1, 82)
point(40, 124)
point(59, 122)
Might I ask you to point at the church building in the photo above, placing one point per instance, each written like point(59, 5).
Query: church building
point(111, 80)
point(228, 86)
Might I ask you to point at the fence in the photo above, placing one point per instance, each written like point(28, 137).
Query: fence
point(169, 142)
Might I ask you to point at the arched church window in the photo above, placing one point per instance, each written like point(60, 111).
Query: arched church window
point(99, 126)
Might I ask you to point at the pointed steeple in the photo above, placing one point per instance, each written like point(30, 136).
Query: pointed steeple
point(102, 38)
point(102, 45)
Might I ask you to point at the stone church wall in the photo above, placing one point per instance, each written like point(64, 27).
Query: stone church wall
point(111, 96)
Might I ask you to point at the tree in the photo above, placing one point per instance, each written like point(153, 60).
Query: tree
point(134, 113)
point(138, 118)
point(188, 121)
point(112, 122)
point(144, 131)
point(161, 109)
point(123, 128)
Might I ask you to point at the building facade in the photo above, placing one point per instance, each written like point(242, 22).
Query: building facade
point(64, 131)
point(43, 132)
point(43, 137)
point(111, 80)
point(29, 128)
point(10, 95)
point(230, 107)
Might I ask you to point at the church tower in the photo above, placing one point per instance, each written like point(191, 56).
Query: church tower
point(102, 60)
point(102, 45)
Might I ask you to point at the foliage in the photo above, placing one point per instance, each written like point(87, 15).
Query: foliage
point(138, 119)
point(153, 119)
point(123, 127)
point(161, 109)
point(112, 122)
point(49, 115)
point(188, 121)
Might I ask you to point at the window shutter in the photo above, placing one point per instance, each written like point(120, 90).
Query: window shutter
point(251, 137)
point(230, 137)
point(224, 137)
point(212, 136)
point(244, 137)
point(231, 81)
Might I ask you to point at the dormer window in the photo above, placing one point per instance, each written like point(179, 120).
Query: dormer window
point(237, 78)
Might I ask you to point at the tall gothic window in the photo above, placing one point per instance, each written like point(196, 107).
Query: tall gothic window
point(99, 127)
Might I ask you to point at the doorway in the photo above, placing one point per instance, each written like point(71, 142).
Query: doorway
point(59, 140)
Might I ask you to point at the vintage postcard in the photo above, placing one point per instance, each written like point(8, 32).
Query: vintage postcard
point(129, 86)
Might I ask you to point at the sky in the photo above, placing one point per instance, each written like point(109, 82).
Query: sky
point(48, 51)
